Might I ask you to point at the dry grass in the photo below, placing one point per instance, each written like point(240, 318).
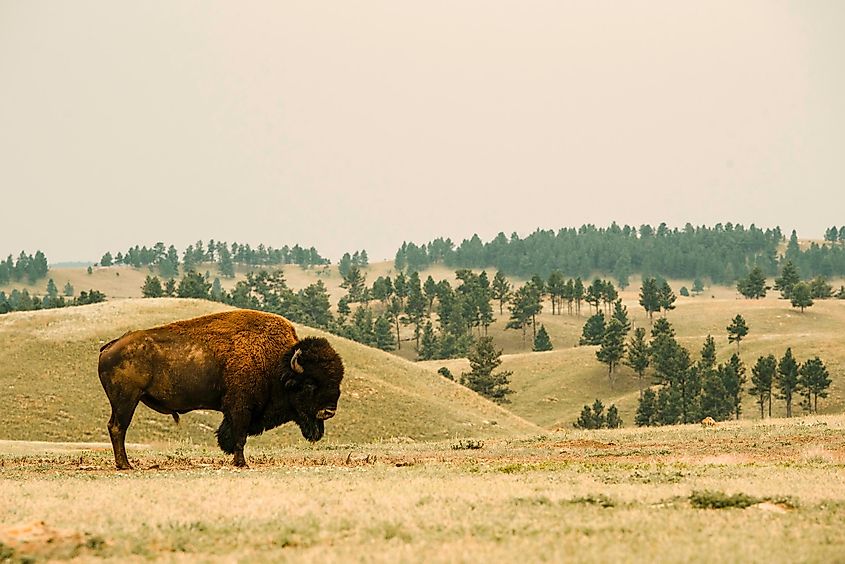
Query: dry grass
point(630, 495)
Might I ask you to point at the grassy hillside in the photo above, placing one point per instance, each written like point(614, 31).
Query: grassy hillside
point(743, 492)
point(51, 391)
point(550, 388)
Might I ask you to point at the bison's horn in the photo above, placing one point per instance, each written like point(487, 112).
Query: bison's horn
point(294, 362)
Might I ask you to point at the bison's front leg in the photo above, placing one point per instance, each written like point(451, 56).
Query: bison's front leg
point(240, 425)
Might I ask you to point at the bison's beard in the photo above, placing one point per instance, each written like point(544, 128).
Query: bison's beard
point(311, 427)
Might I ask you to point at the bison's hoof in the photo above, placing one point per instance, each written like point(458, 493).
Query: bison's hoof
point(125, 466)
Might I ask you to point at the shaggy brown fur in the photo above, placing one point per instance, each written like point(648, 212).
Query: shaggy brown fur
point(249, 365)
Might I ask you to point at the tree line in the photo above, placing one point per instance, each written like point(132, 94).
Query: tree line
point(166, 259)
point(723, 253)
point(791, 285)
point(27, 267)
point(22, 300)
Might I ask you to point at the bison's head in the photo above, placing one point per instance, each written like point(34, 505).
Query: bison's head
point(311, 378)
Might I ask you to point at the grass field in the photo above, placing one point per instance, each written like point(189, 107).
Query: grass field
point(748, 491)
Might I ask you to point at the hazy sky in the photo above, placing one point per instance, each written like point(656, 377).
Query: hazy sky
point(349, 125)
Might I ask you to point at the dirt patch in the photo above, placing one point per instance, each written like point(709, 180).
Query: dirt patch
point(37, 539)
point(583, 443)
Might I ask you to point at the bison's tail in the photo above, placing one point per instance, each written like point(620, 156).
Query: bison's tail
point(225, 439)
point(175, 417)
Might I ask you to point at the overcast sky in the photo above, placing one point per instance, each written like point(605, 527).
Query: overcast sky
point(349, 125)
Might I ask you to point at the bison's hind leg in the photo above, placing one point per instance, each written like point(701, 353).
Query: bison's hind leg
point(225, 437)
point(122, 410)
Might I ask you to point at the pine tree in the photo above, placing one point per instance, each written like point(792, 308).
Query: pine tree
point(594, 293)
point(593, 417)
point(638, 355)
point(737, 330)
point(668, 406)
point(714, 401)
point(801, 296)
point(194, 285)
point(225, 263)
point(428, 343)
point(578, 294)
point(609, 296)
point(753, 286)
point(362, 326)
point(382, 289)
point(68, 290)
point(354, 282)
point(216, 290)
point(556, 286)
point(789, 277)
point(733, 376)
point(697, 286)
point(708, 353)
point(586, 419)
point(787, 379)
point(542, 342)
point(646, 409)
point(613, 419)
point(152, 287)
point(762, 379)
point(593, 331)
point(820, 289)
point(620, 313)
point(344, 265)
point(650, 297)
point(793, 250)
point(169, 265)
point(384, 333)
point(52, 290)
point(666, 297)
point(394, 310)
point(107, 259)
point(522, 308)
point(170, 288)
point(813, 382)
point(316, 307)
point(612, 347)
point(430, 292)
point(483, 360)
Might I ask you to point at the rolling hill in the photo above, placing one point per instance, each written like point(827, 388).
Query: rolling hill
point(50, 389)
point(550, 388)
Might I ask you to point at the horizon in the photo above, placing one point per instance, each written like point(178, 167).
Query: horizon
point(334, 260)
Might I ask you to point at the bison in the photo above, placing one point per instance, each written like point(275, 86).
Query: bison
point(708, 422)
point(247, 364)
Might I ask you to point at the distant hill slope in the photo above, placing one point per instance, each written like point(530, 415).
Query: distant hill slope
point(50, 389)
point(550, 388)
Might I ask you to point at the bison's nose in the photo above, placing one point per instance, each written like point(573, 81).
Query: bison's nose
point(327, 413)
